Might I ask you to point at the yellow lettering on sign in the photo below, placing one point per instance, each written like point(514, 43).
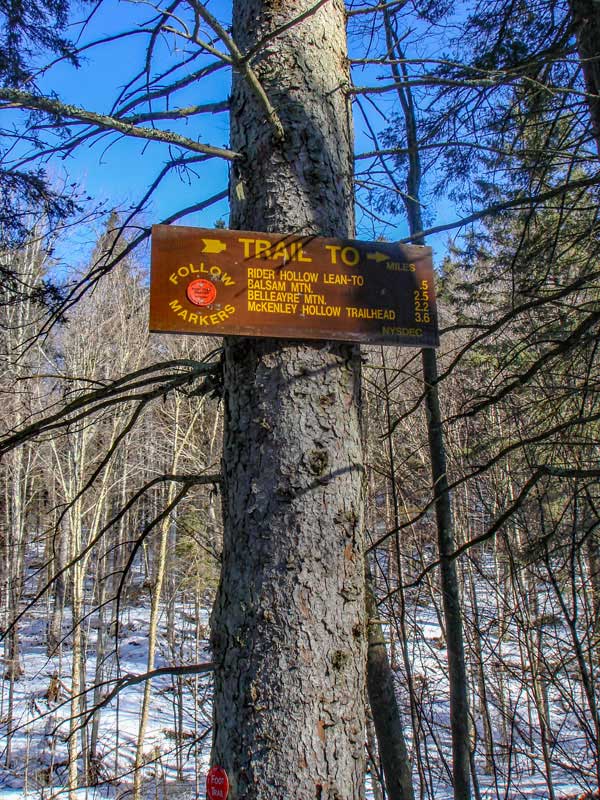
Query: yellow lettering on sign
point(349, 256)
point(264, 307)
point(399, 266)
point(262, 248)
point(273, 251)
point(298, 254)
point(370, 313)
point(202, 319)
point(279, 286)
point(214, 272)
point(279, 297)
point(343, 280)
point(279, 250)
point(246, 243)
point(303, 288)
point(268, 274)
point(321, 311)
point(315, 299)
point(388, 330)
point(288, 275)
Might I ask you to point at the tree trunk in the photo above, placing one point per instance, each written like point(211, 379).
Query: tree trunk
point(152, 640)
point(76, 655)
point(288, 626)
point(374, 762)
point(55, 623)
point(386, 715)
point(480, 701)
point(592, 550)
point(585, 16)
point(457, 676)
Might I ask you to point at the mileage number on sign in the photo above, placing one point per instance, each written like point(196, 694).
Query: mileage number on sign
point(422, 303)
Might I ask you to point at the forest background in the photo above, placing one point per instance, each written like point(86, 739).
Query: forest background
point(482, 119)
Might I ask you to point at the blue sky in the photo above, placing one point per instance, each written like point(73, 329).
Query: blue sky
point(117, 171)
point(120, 172)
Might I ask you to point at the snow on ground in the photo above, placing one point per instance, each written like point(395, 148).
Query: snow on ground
point(177, 741)
point(38, 751)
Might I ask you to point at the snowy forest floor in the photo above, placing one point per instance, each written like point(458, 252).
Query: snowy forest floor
point(177, 741)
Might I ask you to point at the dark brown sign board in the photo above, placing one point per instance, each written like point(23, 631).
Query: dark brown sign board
point(244, 283)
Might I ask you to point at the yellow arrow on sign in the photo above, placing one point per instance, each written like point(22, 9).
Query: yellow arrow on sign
point(213, 246)
point(377, 257)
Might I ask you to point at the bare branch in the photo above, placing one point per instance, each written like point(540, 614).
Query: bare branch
point(521, 201)
point(132, 680)
point(244, 67)
point(17, 99)
point(118, 391)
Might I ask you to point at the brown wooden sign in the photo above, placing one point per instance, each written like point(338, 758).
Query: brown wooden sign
point(218, 282)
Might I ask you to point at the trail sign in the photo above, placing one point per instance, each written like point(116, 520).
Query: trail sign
point(217, 784)
point(220, 282)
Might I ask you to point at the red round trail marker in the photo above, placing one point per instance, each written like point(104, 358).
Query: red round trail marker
point(201, 292)
point(217, 784)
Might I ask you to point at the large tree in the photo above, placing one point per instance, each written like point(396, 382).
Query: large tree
point(288, 627)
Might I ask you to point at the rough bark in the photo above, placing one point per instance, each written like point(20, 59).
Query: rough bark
point(288, 626)
point(585, 16)
point(386, 714)
point(457, 673)
point(374, 761)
